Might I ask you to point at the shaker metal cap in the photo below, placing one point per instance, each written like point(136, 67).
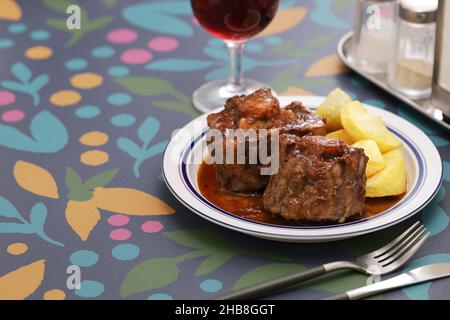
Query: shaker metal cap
point(419, 11)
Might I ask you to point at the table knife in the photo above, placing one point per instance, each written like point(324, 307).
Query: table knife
point(415, 276)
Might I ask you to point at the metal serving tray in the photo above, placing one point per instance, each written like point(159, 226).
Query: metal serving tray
point(423, 106)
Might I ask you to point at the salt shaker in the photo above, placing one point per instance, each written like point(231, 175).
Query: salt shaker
point(411, 69)
point(374, 34)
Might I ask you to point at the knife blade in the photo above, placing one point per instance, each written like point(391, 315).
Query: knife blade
point(415, 276)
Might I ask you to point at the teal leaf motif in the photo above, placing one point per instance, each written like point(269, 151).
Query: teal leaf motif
point(167, 17)
point(130, 147)
point(25, 84)
point(146, 133)
point(7, 209)
point(38, 216)
point(14, 86)
point(216, 53)
point(21, 72)
point(248, 63)
point(40, 81)
point(218, 73)
point(12, 227)
point(155, 149)
point(48, 135)
point(148, 129)
point(433, 216)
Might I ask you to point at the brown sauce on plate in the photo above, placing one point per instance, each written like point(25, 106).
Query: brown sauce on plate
point(251, 208)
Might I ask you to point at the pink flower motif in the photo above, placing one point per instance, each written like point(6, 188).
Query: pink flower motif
point(152, 226)
point(6, 98)
point(163, 44)
point(120, 234)
point(122, 36)
point(136, 56)
point(118, 220)
point(13, 116)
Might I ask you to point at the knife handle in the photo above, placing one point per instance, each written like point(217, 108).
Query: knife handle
point(275, 285)
point(400, 281)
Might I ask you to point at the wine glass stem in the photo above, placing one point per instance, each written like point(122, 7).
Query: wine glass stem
point(235, 73)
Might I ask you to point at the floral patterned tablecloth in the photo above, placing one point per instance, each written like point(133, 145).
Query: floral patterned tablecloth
point(85, 116)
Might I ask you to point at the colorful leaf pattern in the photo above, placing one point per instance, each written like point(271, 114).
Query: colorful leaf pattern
point(22, 282)
point(35, 179)
point(25, 82)
point(54, 204)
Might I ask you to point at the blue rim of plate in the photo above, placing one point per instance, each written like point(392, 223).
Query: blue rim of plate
point(422, 174)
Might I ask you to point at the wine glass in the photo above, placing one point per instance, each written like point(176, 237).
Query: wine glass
point(235, 21)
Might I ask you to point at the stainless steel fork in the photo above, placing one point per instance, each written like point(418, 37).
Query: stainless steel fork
point(382, 261)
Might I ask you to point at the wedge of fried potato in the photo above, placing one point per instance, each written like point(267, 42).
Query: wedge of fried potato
point(376, 162)
point(391, 181)
point(341, 134)
point(331, 108)
point(361, 125)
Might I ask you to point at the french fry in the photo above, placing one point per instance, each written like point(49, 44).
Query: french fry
point(391, 181)
point(361, 125)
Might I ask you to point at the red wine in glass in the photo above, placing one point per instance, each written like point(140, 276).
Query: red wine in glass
point(234, 19)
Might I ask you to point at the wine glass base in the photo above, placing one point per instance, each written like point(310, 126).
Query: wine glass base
point(212, 95)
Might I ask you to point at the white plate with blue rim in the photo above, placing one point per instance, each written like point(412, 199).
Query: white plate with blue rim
point(423, 165)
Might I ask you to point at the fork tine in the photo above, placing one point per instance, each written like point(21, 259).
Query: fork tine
point(395, 265)
point(407, 251)
point(393, 243)
point(400, 246)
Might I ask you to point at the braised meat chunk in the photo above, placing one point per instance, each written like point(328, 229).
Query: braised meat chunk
point(259, 110)
point(319, 180)
point(254, 111)
point(299, 120)
point(242, 112)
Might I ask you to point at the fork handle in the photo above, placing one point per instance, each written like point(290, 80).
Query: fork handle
point(263, 289)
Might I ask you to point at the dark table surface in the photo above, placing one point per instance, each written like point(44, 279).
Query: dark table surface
point(84, 119)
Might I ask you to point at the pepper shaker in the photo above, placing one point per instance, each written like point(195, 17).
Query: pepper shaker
point(374, 34)
point(411, 69)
